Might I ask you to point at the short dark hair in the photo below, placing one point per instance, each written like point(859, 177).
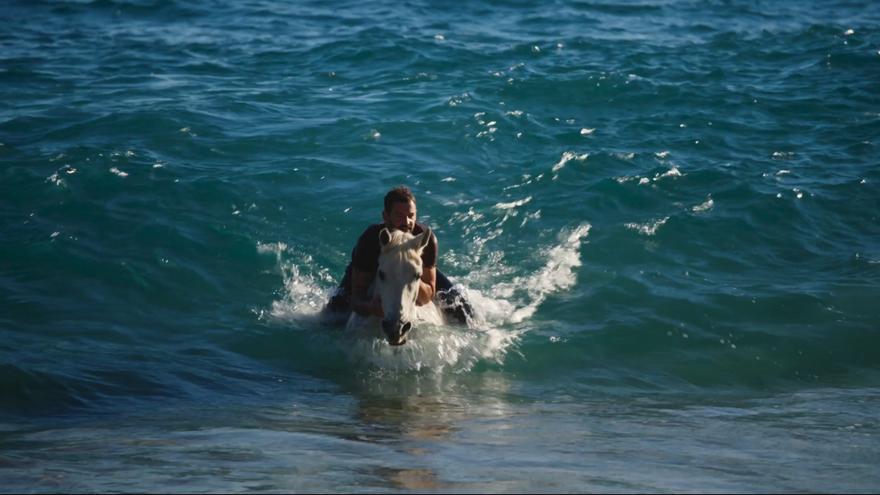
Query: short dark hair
point(400, 194)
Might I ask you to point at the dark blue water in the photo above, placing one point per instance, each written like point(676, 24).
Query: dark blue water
point(665, 214)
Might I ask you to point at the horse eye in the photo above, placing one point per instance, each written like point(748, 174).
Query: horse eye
point(418, 276)
point(381, 275)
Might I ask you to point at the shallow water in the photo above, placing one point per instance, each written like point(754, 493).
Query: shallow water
point(665, 214)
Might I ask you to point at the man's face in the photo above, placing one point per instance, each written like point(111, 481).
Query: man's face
point(401, 217)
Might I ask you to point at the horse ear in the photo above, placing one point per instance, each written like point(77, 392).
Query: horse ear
point(424, 239)
point(384, 237)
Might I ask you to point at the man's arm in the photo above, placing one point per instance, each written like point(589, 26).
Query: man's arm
point(427, 286)
point(361, 302)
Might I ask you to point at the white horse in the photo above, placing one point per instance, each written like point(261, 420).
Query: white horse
point(397, 284)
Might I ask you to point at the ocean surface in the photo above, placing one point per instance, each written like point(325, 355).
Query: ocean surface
point(665, 213)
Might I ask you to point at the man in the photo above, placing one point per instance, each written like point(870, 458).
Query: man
point(353, 293)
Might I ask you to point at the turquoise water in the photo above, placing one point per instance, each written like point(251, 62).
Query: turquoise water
point(665, 213)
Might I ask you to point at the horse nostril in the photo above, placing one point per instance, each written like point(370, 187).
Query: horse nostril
point(405, 328)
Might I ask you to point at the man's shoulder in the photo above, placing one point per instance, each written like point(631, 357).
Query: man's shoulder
point(419, 228)
point(372, 230)
point(370, 236)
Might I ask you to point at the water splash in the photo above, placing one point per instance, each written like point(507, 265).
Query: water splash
point(451, 348)
point(431, 348)
point(306, 285)
point(514, 301)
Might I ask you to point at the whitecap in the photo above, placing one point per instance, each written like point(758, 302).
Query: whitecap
point(704, 206)
point(118, 172)
point(587, 132)
point(672, 172)
point(513, 204)
point(56, 179)
point(649, 228)
point(530, 216)
point(567, 157)
point(783, 155)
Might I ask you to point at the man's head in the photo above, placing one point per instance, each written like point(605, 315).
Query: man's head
point(400, 209)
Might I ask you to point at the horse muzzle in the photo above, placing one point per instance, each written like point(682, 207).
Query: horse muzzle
point(396, 330)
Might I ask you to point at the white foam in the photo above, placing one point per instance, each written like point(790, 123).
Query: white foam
point(501, 303)
point(530, 216)
point(649, 228)
point(672, 172)
point(431, 348)
point(587, 132)
point(513, 204)
point(783, 155)
point(705, 206)
point(498, 296)
point(306, 286)
point(118, 172)
point(56, 179)
point(567, 157)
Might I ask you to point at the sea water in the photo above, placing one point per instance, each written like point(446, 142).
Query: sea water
point(664, 213)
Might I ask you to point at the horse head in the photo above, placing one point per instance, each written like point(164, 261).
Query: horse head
point(397, 280)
